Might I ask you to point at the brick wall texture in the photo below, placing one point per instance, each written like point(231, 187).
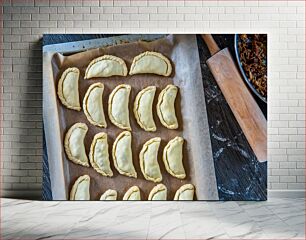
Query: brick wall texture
point(24, 22)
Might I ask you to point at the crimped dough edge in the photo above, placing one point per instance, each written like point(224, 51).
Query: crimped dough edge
point(130, 191)
point(87, 94)
point(60, 88)
point(107, 57)
point(121, 135)
point(141, 157)
point(165, 159)
point(110, 103)
point(156, 54)
point(66, 144)
point(159, 112)
point(182, 189)
point(136, 106)
point(158, 188)
point(91, 154)
point(107, 193)
point(76, 184)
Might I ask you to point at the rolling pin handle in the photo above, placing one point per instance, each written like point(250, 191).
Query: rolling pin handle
point(211, 44)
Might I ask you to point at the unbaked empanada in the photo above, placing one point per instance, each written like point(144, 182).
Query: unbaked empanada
point(93, 105)
point(80, 189)
point(118, 106)
point(185, 192)
point(148, 160)
point(109, 195)
point(159, 192)
point(151, 62)
point(106, 66)
point(143, 108)
point(122, 154)
point(74, 144)
point(173, 158)
point(132, 194)
point(68, 88)
point(98, 155)
point(165, 107)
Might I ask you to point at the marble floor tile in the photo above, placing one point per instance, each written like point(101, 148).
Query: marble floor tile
point(131, 223)
point(194, 227)
point(273, 219)
point(165, 222)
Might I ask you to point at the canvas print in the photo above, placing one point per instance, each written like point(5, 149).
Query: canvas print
point(155, 117)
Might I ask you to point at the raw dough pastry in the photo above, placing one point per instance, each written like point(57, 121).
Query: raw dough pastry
point(151, 62)
point(68, 88)
point(80, 189)
point(173, 158)
point(148, 160)
point(98, 155)
point(106, 66)
point(143, 108)
point(109, 195)
point(166, 108)
point(118, 106)
point(132, 194)
point(159, 192)
point(93, 105)
point(185, 192)
point(122, 155)
point(74, 144)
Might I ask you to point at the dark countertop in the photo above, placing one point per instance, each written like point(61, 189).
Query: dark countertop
point(239, 175)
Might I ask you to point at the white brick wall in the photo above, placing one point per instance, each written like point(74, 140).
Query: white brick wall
point(24, 22)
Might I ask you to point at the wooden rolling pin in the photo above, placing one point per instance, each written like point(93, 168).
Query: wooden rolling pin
point(238, 97)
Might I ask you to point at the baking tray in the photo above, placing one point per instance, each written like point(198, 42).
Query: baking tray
point(57, 119)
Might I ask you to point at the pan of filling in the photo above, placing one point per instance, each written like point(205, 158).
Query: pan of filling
point(251, 55)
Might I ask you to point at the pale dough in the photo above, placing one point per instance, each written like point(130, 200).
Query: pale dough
point(122, 154)
point(106, 66)
point(166, 108)
point(148, 160)
point(151, 62)
point(80, 189)
point(143, 108)
point(68, 88)
point(93, 105)
point(109, 195)
point(185, 192)
point(132, 193)
point(173, 158)
point(159, 192)
point(98, 155)
point(118, 106)
point(74, 144)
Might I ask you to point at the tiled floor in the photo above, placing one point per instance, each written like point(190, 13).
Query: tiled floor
point(273, 219)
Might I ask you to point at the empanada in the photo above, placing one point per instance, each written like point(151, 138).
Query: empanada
point(122, 154)
point(165, 107)
point(109, 195)
point(98, 155)
point(185, 192)
point(68, 88)
point(148, 160)
point(80, 189)
point(159, 192)
point(132, 193)
point(151, 62)
point(93, 105)
point(118, 106)
point(143, 108)
point(106, 66)
point(74, 144)
point(173, 158)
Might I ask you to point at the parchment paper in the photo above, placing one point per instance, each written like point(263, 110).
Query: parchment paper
point(190, 108)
